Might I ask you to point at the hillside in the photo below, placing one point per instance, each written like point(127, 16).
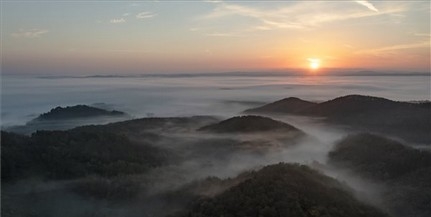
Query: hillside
point(287, 105)
point(284, 190)
point(405, 171)
point(354, 104)
point(72, 154)
point(248, 124)
point(74, 112)
point(64, 118)
point(165, 124)
point(377, 157)
point(409, 121)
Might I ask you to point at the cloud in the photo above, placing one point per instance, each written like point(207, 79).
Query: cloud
point(376, 51)
point(296, 15)
point(145, 15)
point(117, 21)
point(31, 33)
point(368, 5)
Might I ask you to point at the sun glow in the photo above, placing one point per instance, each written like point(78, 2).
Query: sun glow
point(314, 63)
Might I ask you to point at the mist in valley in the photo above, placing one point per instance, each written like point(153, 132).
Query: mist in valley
point(194, 164)
point(196, 157)
point(24, 97)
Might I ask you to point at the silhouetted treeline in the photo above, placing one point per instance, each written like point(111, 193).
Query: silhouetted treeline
point(248, 124)
point(71, 154)
point(404, 170)
point(410, 121)
point(284, 190)
point(77, 111)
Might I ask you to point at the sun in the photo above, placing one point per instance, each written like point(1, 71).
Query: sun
point(314, 63)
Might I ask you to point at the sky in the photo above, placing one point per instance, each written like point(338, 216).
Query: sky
point(117, 37)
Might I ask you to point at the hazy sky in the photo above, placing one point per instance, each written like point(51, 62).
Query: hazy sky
point(113, 37)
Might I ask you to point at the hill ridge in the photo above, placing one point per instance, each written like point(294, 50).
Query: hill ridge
point(248, 124)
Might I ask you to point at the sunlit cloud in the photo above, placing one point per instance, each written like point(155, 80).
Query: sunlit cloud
point(117, 21)
point(368, 5)
point(145, 15)
point(300, 15)
point(376, 51)
point(31, 33)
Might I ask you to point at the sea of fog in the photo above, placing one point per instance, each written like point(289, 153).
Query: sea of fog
point(24, 97)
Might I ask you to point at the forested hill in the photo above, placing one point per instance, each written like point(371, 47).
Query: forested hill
point(410, 121)
point(248, 124)
point(77, 111)
point(282, 190)
point(405, 171)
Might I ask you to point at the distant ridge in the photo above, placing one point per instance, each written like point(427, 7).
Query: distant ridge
point(248, 124)
point(289, 105)
point(77, 111)
point(407, 120)
point(63, 118)
point(265, 73)
point(353, 104)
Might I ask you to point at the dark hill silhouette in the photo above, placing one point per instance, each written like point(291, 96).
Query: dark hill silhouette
point(287, 105)
point(405, 171)
point(165, 124)
point(407, 120)
point(377, 157)
point(73, 153)
point(77, 111)
point(284, 190)
point(64, 118)
point(354, 104)
point(248, 124)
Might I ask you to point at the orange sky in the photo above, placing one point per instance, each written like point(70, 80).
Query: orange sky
point(151, 37)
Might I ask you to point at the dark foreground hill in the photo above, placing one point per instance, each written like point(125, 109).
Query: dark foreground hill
point(377, 157)
point(72, 154)
point(284, 190)
point(248, 124)
point(409, 121)
point(404, 170)
point(107, 150)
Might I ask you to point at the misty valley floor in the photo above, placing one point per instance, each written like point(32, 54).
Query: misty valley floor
point(288, 158)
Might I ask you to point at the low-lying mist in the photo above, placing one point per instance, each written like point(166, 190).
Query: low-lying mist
point(197, 156)
point(26, 96)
